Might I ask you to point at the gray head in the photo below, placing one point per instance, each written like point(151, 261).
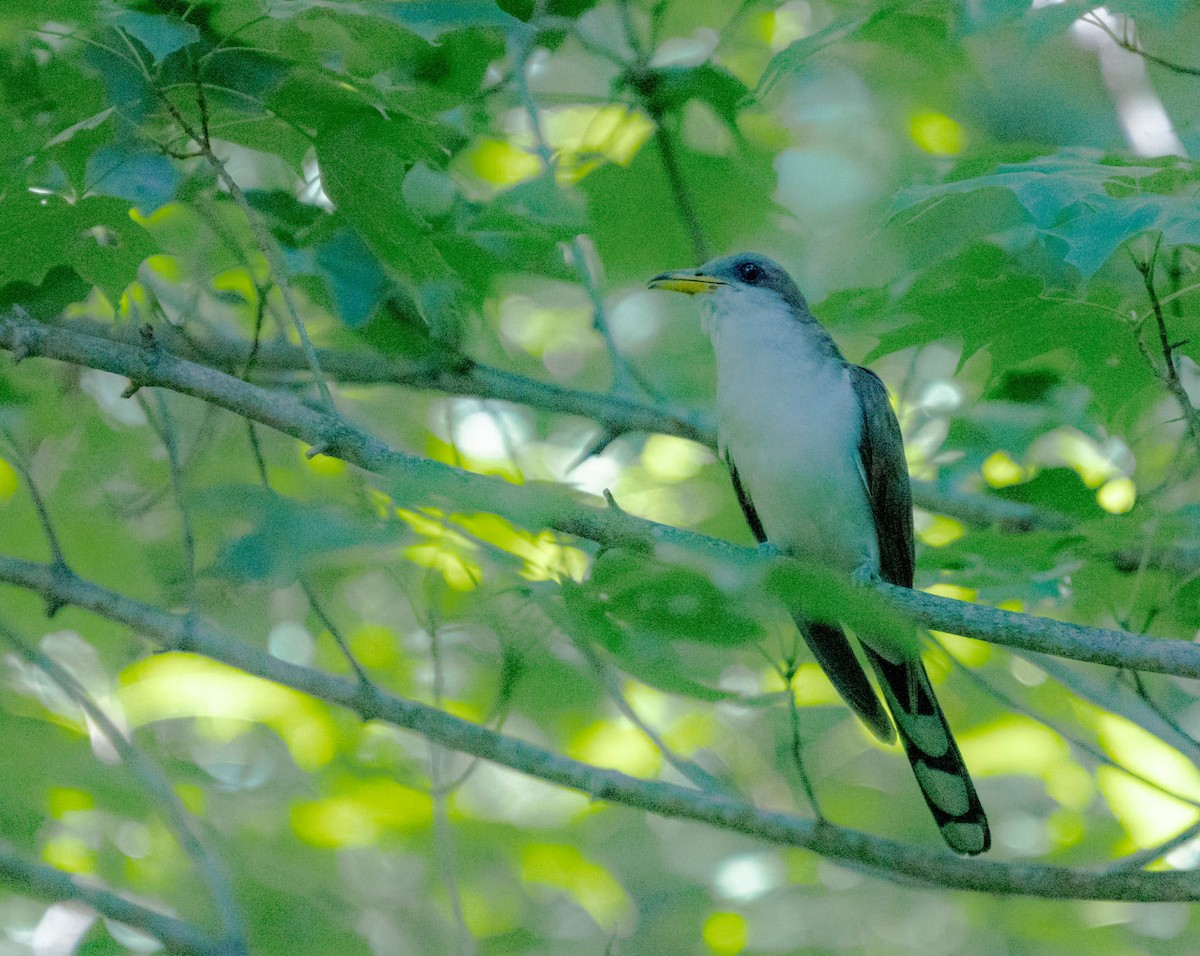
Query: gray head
point(732, 276)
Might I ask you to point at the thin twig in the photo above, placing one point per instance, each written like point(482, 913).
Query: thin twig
point(23, 467)
point(443, 831)
point(679, 188)
point(1133, 46)
point(46, 883)
point(1143, 858)
point(688, 769)
point(164, 425)
point(564, 510)
point(580, 251)
point(884, 857)
point(642, 81)
point(1012, 704)
point(157, 785)
point(787, 674)
point(333, 629)
point(1170, 377)
point(266, 244)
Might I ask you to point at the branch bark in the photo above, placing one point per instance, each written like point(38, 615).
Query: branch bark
point(884, 857)
point(276, 361)
point(48, 884)
point(423, 482)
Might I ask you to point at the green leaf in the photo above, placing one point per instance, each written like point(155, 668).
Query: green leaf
point(364, 159)
point(160, 35)
point(666, 601)
point(433, 18)
point(95, 236)
point(670, 88)
point(653, 662)
point(289, 536)
point(1083, 203)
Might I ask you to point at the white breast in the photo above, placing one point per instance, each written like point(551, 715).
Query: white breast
point(789, 420)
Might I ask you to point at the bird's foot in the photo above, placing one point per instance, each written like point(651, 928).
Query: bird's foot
point(865, 576)
point(769, 550)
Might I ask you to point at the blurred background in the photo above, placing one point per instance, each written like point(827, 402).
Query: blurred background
point(991, 204)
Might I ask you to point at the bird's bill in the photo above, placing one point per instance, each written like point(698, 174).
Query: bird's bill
point(688, 281)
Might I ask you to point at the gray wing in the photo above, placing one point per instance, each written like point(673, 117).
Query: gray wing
point(881, 448)
point(828, 643)
point(938, 765)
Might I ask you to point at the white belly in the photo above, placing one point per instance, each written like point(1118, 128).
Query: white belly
point(789, 420)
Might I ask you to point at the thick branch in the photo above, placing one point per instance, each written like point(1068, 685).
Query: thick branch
point(419, 481)
point(178, 632)
point(48, 884)
point(613, 413)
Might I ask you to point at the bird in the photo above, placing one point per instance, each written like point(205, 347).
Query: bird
point(817, 462)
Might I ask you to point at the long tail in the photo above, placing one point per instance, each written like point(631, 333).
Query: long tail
point(835, 656)
point(936, 762)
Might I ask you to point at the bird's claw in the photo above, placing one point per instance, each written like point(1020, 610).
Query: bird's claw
point(769, 550)
point(865, 576)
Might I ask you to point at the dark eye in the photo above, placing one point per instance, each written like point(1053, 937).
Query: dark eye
point(750, 272)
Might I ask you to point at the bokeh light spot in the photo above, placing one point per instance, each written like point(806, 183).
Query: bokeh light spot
point(937, 134)
point(725, 933)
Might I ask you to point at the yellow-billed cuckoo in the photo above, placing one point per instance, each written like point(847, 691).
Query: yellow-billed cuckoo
point(817, 462)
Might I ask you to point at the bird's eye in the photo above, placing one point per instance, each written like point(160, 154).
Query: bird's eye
point(750, 272)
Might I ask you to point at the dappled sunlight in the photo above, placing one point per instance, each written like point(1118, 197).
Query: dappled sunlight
point(617, 745)
point(937, 133)
point(334, 353)
point(444, 550)
point(937, 531)
point(547, 556)
point(1148, 815)
point(361, 813)
point(225, 702)
point(725, 933)
point(564, 868)
point(501, 163)
point(560, 335)
point(580, 138)
point(786, 24)
point(1000, 471)
point(674, 459)
point(9, 481)
point(1095, 463)
point(1012, 744)
point(1117, 495)
point(957, 592)
point(324, 466)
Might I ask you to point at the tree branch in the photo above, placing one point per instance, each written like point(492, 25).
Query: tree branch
point(1133, 45)
point(614, 414)
point(181, 823)
point(411, 479)
point(885, 857)
point(1168, 374)
point(262, 236)
point(48, 884)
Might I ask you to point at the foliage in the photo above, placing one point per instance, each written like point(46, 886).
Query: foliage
point(401, 245)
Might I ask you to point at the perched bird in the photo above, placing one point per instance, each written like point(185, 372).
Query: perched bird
point(817, 462)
